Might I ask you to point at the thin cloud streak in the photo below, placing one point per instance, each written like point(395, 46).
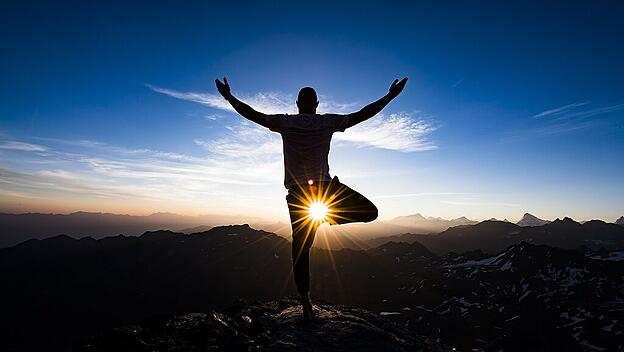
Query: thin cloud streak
point(592, 112)
point(561, 109)
point(424, 194)
point(21, 146)
point(266, 102)
point(572, 111)
point(565, 119)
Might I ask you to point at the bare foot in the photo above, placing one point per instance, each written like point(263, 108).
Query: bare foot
point(308, 312)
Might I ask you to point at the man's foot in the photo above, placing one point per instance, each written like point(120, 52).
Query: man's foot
point(308, 312)
point(306, 305)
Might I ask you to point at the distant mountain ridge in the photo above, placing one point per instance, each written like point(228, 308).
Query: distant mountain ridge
point(20, 227)
point(494, 236)
point(429, 224)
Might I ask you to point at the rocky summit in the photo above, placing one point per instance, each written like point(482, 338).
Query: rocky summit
point(268, 326)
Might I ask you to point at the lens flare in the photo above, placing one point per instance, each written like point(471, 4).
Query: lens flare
point(318, 211)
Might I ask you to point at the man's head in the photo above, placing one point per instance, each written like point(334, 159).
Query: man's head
point(307, 101)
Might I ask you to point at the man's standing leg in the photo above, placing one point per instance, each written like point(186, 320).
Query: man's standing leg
point(303, 233)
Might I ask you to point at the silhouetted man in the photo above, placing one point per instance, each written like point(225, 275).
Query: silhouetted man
point(313, 196)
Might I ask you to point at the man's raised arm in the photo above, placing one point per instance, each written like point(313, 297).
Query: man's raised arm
point(374, 108)
point(245, 110)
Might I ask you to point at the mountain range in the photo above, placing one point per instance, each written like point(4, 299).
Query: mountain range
point(61, 290)
point(494, 236)
point(20, 227)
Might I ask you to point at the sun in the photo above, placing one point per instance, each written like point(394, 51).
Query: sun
point(318, 211)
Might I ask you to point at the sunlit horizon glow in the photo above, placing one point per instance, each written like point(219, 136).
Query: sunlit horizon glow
point(122, 116)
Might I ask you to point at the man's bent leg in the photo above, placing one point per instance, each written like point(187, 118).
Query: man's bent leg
point(350, 206)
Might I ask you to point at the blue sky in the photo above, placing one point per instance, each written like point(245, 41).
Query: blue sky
point(509, 108)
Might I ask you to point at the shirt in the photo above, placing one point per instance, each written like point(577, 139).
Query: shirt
point(306, 139)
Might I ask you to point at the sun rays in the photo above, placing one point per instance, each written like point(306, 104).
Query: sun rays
point(317, 203)
point(318, 211)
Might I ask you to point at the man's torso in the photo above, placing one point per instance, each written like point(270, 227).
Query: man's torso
point(306, 140)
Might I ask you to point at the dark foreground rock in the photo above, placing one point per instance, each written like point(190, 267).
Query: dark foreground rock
point(271, 326)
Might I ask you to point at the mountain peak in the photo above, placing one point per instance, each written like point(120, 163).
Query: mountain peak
point(531, 220)
point(274, 326)
point(565, 221)
point(417, 216)
point(620, 221)
point(157, 235)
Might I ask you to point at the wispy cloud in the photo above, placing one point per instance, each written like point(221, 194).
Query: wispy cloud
point(244, 141)
point(459, 81)
point(401, 132)
point(560, 110)
point(574, 111)
point(267, 102)
point(398, 132)
point(213, 117)
point(480, 204)
point(567, 118)
point(421, 194)
point(208, 99)
point(16, 145)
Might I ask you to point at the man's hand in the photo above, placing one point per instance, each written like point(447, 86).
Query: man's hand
point(224, 88)
point(245, 110)
point(397, 87)
point(374, 108)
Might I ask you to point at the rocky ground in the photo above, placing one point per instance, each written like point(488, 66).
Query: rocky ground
point(270, 326)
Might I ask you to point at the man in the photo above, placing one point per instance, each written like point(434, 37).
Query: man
point(313, 196)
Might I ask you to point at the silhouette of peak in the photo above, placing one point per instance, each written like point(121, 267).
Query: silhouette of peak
point(401, 248)
point(566, 220)
point(232, 230)
point(273, 326)
point(495, 219)
point(620, 221)
point(494, 224)
point(158, 235)
point(59, 238)
point(413, 217)
point(54, 241)
point(594, 222)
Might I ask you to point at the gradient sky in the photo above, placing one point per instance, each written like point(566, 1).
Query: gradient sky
point(509, 108)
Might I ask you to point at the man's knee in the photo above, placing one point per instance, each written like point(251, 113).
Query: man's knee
point(372, 213)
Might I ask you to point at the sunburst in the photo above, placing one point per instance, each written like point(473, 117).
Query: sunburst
point(318, 211)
